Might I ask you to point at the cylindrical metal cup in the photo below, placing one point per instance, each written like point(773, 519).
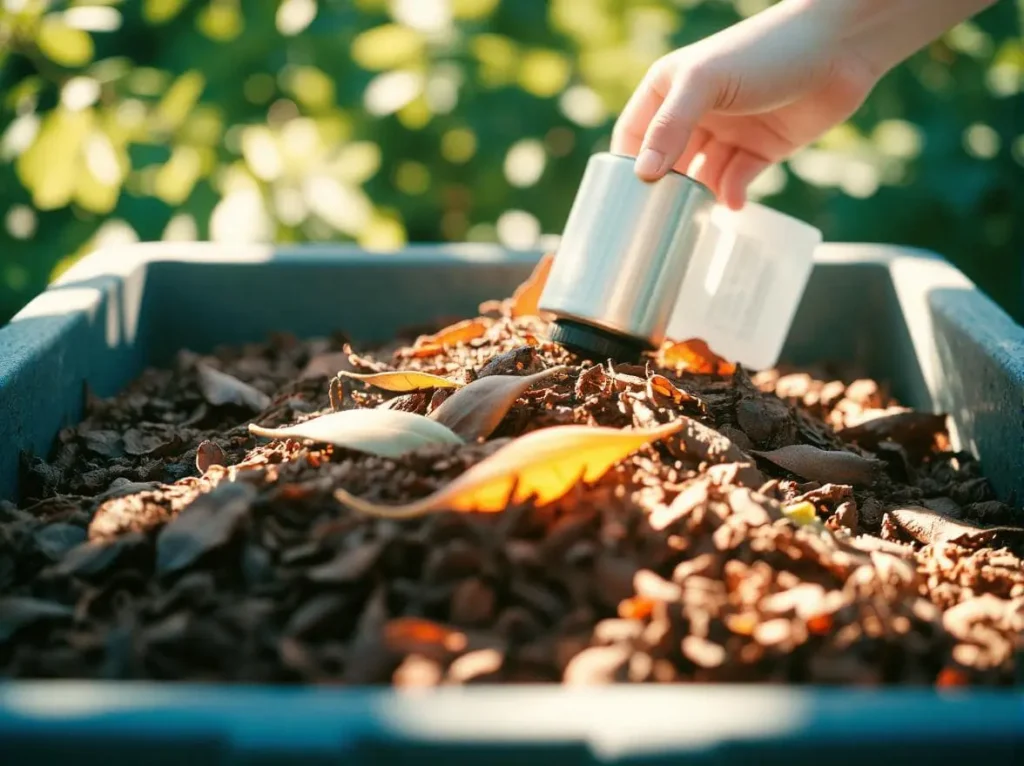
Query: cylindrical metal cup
point(622, 258)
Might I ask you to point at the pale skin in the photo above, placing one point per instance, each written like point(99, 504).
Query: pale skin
point(725, 108)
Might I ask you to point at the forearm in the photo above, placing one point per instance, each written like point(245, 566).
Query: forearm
point(885, 32)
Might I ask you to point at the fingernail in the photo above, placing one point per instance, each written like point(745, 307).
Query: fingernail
point(648, 164)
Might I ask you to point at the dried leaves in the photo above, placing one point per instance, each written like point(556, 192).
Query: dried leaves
point(219, 388)
point(692, 356)
point(475, 411)
point(527, 295)
point(927, 526)
point(401, 381)
point(825, 465)
point(386, 433)
point(460, 332)
point(207, 524)
point(542, 466)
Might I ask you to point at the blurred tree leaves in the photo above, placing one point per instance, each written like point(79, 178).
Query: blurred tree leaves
point(387, 121)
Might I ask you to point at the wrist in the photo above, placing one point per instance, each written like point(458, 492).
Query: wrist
point(883, 33)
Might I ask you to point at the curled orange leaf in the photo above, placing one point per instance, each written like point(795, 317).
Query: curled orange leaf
point(543, 465)
point(665, 387)
point(411, 633)
point(527, 295)
point(695, 356)
point(452, 335)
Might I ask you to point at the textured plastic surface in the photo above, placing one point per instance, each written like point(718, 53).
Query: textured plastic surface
point(904, 316)
point(744, 283)
point(595, 343)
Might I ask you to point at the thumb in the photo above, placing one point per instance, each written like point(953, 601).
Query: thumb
point(689, 97)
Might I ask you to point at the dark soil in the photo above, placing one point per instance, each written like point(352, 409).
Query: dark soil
point(679, 564)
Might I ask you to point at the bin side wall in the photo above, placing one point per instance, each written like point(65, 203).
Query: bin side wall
point(850, 316)
point(88, 337)
point(203, 305)
point(980, 357)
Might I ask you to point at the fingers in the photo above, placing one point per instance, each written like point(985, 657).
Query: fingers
point(709, 165)
point(628, 134)
point(742, 168)
point(698, 140)
point(672, 126)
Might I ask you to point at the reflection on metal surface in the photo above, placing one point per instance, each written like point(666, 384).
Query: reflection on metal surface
point(625, 248)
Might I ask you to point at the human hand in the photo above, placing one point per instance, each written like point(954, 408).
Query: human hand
point(725, 108)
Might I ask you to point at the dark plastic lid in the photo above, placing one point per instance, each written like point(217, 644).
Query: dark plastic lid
point(596, 343)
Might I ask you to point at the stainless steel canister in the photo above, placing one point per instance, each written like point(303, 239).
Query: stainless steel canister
point(622, 258)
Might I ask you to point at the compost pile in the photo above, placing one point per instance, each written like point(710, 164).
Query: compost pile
point(478, 505)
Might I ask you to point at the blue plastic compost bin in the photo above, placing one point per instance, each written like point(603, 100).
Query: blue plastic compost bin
point(904, 316)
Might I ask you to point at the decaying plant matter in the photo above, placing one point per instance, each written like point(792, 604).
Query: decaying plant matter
point(477, 505)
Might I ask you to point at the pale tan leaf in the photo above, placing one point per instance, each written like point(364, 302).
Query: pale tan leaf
point(387, 433)
point(400, 380)
point(219, 388)
point(927, 526)
point(835, 466)
point(475, 411)
point(543, 465)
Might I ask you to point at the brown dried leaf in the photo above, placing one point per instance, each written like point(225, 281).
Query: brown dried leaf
point(208, 454)
point(541, 466)
point(219, 388)
point(401, 380)
point(208, 523)
point(460, 332)
point(475, 411)
point(694, 356)
point(387, 433)
point(834, 466)
point(527, 295)
point(927, 526)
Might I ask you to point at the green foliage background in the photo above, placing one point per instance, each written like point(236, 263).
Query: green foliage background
point(386, 121)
